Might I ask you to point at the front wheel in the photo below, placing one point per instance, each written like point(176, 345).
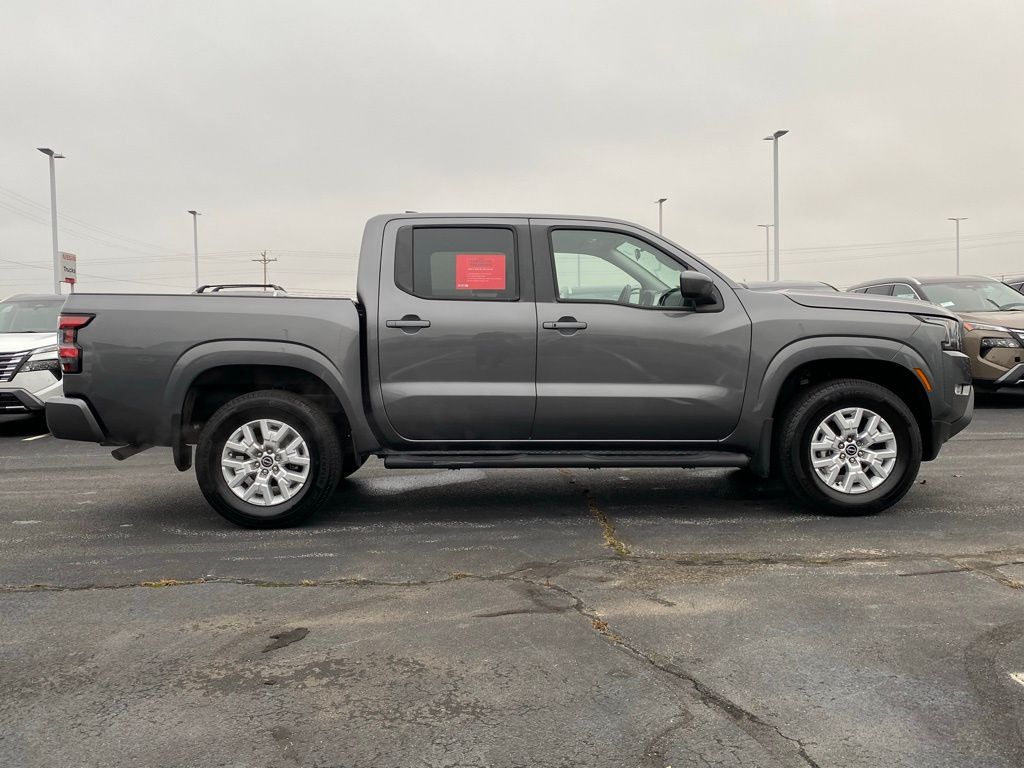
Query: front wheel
point(848, 447)
point(268, 459)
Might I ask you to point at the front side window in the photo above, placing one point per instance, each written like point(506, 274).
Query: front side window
point(598, 266)
point(458, 263)
point(903, 291)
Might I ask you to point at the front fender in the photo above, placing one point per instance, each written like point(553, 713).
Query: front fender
point(757, 425)
point(804, 351)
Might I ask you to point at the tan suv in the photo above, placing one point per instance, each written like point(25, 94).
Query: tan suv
point(992, 315)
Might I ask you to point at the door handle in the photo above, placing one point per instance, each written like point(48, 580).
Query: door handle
point(570, 324)
point(412, 322)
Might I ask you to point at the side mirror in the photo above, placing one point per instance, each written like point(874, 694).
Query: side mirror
point(696, 286)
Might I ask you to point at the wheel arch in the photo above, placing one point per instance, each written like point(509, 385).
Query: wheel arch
point(885, 362)
point(211, 374)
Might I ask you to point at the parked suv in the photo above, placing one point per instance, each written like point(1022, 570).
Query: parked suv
point(992, 315)
point(29, 371)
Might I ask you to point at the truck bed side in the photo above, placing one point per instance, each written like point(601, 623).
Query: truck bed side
point(136, 389)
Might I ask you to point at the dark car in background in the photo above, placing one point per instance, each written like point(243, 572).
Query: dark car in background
point(992, 314)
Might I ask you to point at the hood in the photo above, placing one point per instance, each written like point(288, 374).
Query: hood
point(24, 342)
point(1013, 319)
point(866, 302)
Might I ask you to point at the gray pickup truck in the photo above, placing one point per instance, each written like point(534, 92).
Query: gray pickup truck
point(516, 341)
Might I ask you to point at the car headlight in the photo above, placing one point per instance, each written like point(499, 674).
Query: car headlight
point(970, 326)
point(991, 342)
point(954, 336)
point(44, 359)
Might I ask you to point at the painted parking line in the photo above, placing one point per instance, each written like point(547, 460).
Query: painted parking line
point(37, 437)
point(1017, 677)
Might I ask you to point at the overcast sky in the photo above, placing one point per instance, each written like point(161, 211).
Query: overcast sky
point(289, 123)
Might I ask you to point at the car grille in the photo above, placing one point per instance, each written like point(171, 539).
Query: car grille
point(9, 402)
point(9, 364)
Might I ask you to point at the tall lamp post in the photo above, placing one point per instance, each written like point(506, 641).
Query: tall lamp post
point(53, 213)
point(957, 221)
point(195, 241)
point(660, 201)
point(767, 252)
point(774, 139)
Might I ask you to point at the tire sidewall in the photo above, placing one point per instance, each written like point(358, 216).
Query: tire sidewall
point(908, 447)
point(211, 446)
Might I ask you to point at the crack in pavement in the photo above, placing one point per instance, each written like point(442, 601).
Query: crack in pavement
point(960, 563)
point(755, 727)
point(611, 538)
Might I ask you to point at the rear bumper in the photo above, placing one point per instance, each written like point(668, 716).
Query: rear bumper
point(70, 418)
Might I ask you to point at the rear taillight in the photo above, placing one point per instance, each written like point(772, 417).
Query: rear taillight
point(68, 351)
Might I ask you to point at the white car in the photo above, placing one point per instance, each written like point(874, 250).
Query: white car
point(29, 369)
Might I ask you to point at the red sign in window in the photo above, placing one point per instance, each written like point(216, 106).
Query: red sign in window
point(480, 271)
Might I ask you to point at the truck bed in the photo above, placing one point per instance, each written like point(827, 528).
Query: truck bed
point(130, 386)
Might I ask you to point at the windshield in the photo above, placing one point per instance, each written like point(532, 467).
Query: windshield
point(975, 296)
point(26, 316)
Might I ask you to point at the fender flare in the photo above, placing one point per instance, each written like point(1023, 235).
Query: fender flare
point(216, 354)
point(819, 348)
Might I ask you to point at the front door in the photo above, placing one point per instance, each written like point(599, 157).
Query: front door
point(457, 331)
point(617, 362)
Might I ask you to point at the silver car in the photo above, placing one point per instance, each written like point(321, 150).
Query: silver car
point(29, 370)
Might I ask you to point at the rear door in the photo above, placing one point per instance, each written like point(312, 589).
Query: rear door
point(457, 330)
point(615, 365)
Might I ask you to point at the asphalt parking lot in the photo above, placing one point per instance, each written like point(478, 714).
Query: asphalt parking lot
point(511, 618)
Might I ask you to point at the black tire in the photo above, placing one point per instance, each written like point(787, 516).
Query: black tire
point(313, 425)
point(796, 428)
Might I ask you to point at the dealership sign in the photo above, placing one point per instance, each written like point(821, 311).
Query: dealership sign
point(68, 267)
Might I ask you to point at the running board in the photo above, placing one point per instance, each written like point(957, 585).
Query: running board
point(593, 460)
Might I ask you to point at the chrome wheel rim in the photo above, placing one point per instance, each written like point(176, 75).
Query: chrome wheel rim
point(265, 462)
point(853, 450)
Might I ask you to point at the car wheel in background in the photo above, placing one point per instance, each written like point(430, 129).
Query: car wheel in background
point(268, 459)
point(848, 447)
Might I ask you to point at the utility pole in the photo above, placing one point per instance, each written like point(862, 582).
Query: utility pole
point(264, 261)
point(957, 220)
point(660, 201)
point(195, 241)
point(53, 213)
point(767, 252)
point(774, 139)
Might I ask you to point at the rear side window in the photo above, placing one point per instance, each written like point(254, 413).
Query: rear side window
point(457, 263)
point(879, 290)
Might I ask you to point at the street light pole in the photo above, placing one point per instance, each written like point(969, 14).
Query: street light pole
point(774, 139)
point(957, 221)
point(767, 252)
point(195, 241)
point(53, 213)
point(660, 201)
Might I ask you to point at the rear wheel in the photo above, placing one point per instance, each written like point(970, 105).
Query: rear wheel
point(848, 447)
point(268, 459)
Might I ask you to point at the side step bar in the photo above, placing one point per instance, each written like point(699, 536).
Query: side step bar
point(593, 460)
